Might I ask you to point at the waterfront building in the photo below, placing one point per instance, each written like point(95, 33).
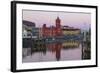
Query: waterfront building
point(40, 33)
point(66, 30)
point(59, 30)
point(35, 32)
point(27, 28)
point(52, 31)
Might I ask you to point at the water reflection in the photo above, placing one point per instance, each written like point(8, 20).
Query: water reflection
point(56, 51)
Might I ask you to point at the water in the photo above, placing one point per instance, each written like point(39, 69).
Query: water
point(55, 51)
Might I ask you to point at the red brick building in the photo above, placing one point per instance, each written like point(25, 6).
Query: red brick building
point(52, 31)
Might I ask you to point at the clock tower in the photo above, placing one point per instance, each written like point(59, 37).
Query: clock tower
point(58, 22)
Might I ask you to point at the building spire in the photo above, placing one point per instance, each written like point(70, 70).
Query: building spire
point(58, 22)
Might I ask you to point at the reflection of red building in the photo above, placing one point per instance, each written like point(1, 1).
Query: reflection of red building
point(52, 31)
point(55, 47)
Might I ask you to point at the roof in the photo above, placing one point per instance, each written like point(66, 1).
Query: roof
point(28, 23)
point(71, 29)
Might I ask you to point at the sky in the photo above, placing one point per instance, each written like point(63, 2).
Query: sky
point(72, 19)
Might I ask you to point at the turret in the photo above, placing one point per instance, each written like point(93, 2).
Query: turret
point(58, 21)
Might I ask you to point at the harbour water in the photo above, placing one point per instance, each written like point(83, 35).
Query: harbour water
point(55, 51)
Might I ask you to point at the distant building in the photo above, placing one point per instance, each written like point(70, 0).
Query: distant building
point(35, 32)
point(52, 31)
point(59, 30)
point(40, 32)
point(66, 30)
point(27, 28)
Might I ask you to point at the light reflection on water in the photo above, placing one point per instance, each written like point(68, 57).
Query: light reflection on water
point(70, 50)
